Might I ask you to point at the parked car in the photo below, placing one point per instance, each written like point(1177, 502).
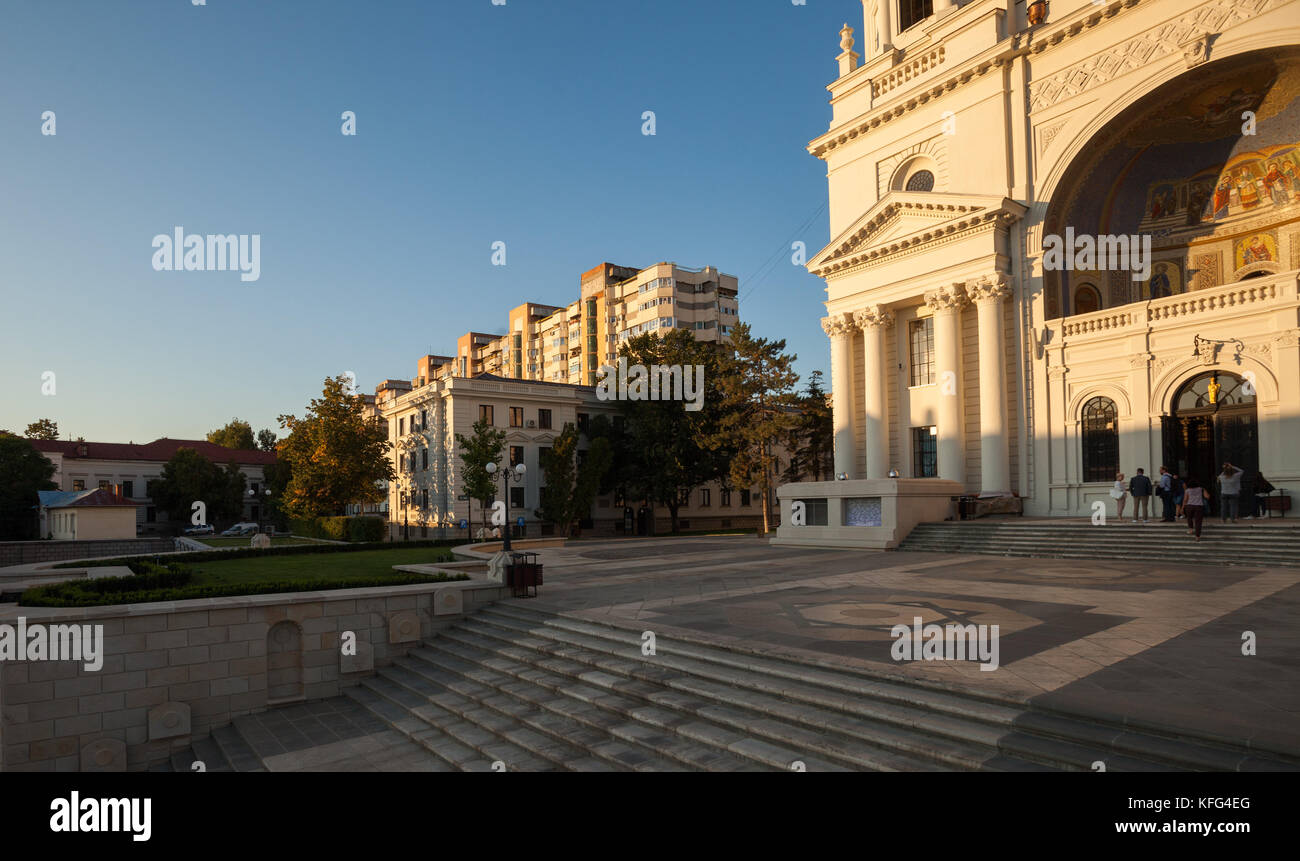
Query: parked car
point(240, 529)
point(204, 529)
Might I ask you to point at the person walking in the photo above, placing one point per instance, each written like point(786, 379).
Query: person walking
point(1119, 493)
point(1165, 489)
point(1195, 498)
point(1179, 491)
point(1229, 492)
point(1140, 489)
point(1259, 496)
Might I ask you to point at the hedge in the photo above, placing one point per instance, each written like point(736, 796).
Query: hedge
point(243, 552)
point(173, 582)
point(339, 528)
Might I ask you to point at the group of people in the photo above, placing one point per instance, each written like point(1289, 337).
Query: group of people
point(1187, 499)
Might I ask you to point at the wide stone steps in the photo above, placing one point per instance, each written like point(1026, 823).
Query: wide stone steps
point(803, 731)
point(203, 750)
point(1219, 545)
point(1015, 737)
point(235, 750)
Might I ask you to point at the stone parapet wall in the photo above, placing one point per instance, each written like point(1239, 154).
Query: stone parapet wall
point(31, 552)
point(174, 671)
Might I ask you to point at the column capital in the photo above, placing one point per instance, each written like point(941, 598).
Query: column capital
point(837, 325)
point(873, 316)
point(947, 298)
point(989, 288)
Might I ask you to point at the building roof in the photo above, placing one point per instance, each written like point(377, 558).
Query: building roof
point(82, 498)
point(160, 450)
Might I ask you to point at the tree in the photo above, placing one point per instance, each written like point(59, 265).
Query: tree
point(236, 434)
point(336, 454)
point(559, 465)
point(759, 409)
point(189, 477)
point(811, 442)
point(485, 445)
point(591, 473)
point(665, 450)
point(277, 475)
point(266, 439)
point(23, 472)
point(43, 429)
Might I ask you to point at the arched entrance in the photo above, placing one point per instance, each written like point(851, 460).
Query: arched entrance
point(1212, 420)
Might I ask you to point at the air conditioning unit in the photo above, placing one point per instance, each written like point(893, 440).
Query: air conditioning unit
point(532, 424)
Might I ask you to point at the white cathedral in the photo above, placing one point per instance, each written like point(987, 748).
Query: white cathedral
point(963, 362)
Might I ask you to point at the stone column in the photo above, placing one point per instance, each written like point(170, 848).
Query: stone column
point(947, 303)
point(995, 454)
point(840, 330)
point(875, 388)
point(884, 27)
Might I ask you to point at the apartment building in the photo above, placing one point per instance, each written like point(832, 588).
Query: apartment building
point(427, 498)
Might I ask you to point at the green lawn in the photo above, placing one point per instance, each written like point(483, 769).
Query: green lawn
point(314, 566)
point(245, 541)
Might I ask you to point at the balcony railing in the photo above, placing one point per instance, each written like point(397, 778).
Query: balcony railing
point(1255, 292)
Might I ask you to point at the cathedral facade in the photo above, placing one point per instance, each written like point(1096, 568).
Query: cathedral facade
point(1065, 245)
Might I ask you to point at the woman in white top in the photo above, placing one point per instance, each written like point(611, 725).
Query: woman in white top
point(1120, 494)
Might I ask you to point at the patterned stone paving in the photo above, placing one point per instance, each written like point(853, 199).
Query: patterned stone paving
point(1156, 642)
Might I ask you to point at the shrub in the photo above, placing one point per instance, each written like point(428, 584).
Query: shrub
point(174, 582)
point(339, 528)
point(243, 552)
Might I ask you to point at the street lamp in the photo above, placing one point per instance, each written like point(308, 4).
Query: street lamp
point(252, 495)
point(507, 475)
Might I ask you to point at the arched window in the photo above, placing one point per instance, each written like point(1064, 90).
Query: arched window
point(922, 180)
point(1214, 390)
point(1100, 440)
point(1086, 299)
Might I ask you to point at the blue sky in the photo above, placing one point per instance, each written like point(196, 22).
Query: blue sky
point(475, 123)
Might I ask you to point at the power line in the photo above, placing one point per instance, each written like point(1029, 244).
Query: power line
point(769, 265)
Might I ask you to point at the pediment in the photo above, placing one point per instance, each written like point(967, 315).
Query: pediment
point(902, 220)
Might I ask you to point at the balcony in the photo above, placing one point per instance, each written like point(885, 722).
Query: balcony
point(1256, 294)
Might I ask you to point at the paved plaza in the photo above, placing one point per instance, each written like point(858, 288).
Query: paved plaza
point(1160, 645)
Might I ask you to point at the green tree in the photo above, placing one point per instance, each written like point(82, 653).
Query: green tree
point(485, 445)
point(666, 450)
point(592, 469)
point(759, 406)
point(236, 434)
point(42, 429)
point(190, 477)
point(266, 439)
point(277, 475)
point(336, 454)
point(559, 466)
point(811, 441)
point(23, 472)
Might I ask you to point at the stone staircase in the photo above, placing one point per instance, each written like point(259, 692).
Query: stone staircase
point(224, 750)
point(1240, 544)
point(529, 690)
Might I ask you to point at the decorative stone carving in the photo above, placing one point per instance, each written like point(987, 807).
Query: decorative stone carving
point(1208, 351)
point(1057, 372)
point(1144, 49)
point(989, 288)
point(1290, 338)
point(1140, 360)
point(947, 298)
point(1196, 50)
point(836, 326)
point(104, 754)
point(168, 720)
point(497, 564)
point(404, 627)
point(362, 662)
point(873, 316)
point(448, 602)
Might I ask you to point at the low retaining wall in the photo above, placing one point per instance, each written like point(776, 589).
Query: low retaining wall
point(872, 514)
point(29, 552)
point(174, 671)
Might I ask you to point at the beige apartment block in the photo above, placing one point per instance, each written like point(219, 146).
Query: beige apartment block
point(964, 140)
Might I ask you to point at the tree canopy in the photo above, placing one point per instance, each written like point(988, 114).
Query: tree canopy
point(42, 429)
point(337, 455)
point(23, 472)
point(236, 433)
point(189, 477)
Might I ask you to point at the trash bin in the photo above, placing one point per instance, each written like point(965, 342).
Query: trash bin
point(524, 575)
